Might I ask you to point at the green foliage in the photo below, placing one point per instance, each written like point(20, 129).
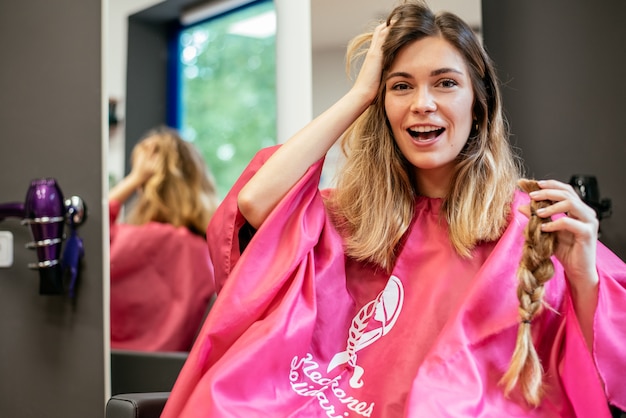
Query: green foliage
point(228, 93)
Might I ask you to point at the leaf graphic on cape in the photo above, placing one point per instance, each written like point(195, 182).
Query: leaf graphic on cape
point(339, 358)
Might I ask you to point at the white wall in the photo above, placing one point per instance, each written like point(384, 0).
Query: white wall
point(293, 66)
point(331, 82)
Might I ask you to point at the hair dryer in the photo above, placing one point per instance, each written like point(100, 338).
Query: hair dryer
point(587, 188)
point(44, 212)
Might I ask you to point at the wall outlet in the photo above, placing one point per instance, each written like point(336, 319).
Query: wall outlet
point(6, 249)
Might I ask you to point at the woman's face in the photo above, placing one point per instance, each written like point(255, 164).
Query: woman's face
point(428, 102)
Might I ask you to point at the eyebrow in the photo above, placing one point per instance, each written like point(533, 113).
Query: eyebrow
point(433, 73)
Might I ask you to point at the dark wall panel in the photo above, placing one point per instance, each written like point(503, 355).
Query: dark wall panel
point(52, 347)
point(562, 63)
point(146, 80)
point(150, 32)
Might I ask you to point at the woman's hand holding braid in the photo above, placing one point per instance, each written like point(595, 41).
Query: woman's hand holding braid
point(576, 227)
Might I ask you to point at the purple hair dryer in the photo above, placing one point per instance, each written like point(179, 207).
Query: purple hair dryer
point(44, 212)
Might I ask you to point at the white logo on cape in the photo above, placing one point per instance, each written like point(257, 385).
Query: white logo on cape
point(384, 309)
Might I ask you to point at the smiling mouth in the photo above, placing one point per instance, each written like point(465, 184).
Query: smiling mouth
point(425, 133)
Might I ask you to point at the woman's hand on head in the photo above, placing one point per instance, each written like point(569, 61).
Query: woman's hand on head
point(369, 78)
point(576, 227)
point(145, 164)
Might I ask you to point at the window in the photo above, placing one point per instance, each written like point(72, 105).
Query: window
point(227, 87)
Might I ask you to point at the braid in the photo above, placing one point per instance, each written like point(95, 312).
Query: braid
point(534, 271)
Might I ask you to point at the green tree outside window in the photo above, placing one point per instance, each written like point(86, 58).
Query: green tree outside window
point(228, 85)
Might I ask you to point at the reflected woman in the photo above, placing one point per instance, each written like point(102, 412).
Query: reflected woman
point(161, 272)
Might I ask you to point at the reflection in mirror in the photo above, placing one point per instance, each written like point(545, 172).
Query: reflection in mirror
point(217, 86)
point(161, 272)
point(222, 96)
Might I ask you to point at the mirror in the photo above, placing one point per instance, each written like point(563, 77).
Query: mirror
point(160, 307)
point(333, 24)
point(144, 23)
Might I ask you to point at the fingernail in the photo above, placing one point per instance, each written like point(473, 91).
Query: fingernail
point(541, 211)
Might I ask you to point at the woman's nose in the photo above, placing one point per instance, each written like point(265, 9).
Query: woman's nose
point(423, 101)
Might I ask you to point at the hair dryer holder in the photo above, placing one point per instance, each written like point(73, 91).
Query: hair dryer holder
point(46, 213)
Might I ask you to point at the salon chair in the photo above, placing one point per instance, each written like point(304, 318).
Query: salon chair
point(141, 381)
point(140, 371)
point(136, 405)
point(617, 413)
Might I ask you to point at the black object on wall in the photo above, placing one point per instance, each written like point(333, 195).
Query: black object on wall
point(560, 63)
point(587, 188)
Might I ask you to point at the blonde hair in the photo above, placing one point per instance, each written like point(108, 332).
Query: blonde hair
point(535, 269)
point(182, 192)
point(375, 194)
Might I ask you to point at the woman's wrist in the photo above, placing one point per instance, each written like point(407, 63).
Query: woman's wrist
point(125, 188)
point(360, 96)
point(137, 179)
point(584, 292)
point(584, 283)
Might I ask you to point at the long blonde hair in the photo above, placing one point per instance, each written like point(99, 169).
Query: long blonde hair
point(375, 194)
point(182, 192)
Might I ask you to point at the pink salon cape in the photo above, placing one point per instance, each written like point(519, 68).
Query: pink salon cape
point(161, 284)
point(300, 330)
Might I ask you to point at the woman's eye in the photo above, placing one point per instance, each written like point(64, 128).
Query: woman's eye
point(448, 83)
point(400, 86)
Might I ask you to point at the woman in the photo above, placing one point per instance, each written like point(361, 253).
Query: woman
point(397, 293)
point(161, 272)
